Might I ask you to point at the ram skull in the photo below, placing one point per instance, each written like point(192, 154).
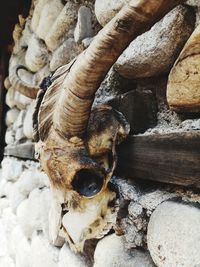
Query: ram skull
point(76, 146)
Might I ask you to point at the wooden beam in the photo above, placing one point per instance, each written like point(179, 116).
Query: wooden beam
point(23, 151)
point(169, 158)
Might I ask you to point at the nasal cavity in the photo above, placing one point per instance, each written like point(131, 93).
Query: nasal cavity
point(88, 182)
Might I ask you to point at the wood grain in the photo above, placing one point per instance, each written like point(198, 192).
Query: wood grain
point(169, 158)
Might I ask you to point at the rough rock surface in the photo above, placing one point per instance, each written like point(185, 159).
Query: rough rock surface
point(106, 10)
point(154, 52)
point(193, 2)
point(183, 92)
point(83, 27)
point(174, 235)
point(36, 54)
point(65, 53)
point(110, 252)
point(64, 22)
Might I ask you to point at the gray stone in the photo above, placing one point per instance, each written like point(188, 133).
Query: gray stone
point(106, 10)
point(110, 252)
point(173, 235)
point(65, 53)
point(84, 24)
point(154, 52)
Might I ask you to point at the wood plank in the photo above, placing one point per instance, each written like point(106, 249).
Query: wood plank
point(169, 158)
point(23, 151)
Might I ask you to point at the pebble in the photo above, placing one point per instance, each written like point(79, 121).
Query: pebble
point(173, 235)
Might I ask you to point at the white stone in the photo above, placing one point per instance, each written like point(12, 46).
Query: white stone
point(69, 258)
point(173, 235)
point(37, 13)
point(33, 212)
point(2, 185)
point(9, 220)
point(20, 248)
point(84, 24)
point(48, 14)
point(21, 101)
point(37, 54)
point(62, 26)
point(20, 120)
point(10, 97)
point(3, 240)
point(11, 116)
point(19, 135)
point(15, 197)
point(106, 10)
point(10, 136)
point(7, 224)
point(4, 203)
point(7, 189)
point(28, 127)
point(42, 253)
point(154, 52)
point(7, 261)
point(11, 168)
point(31, 179)
point(110, 252)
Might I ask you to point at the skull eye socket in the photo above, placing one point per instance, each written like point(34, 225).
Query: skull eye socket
point(88, 182)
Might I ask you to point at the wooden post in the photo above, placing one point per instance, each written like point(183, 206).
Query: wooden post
point(169, 158)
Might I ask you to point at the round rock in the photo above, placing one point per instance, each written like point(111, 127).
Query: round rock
point(110, 252)
point(173, 235)
point(154, 52)
point(106, 10)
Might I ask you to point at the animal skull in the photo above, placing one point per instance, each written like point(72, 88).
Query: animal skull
point(80, 170)
point(77, 146)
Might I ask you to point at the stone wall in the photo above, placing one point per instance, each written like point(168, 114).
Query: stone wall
point(157, 224)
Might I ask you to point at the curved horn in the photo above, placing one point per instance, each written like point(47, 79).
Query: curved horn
point(74, 100)
point(21, 86)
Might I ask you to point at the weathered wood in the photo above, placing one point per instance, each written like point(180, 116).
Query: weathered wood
point(170, 158)
point(24, 151)
point(139, 108)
